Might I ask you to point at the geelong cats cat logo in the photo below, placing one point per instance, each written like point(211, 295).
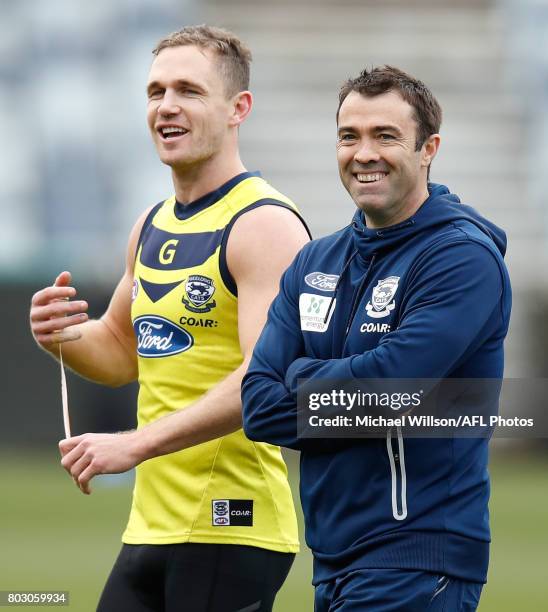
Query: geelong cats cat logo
point(199, 291)
point(382, 298)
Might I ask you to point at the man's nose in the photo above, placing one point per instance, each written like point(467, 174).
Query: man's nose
point(366, 152)
point(169, 105)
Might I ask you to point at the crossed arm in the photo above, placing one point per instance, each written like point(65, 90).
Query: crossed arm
point(435, 332)
point(261, 245)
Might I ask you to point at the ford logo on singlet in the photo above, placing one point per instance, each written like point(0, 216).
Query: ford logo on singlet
point(158, 337)
point(321, 281)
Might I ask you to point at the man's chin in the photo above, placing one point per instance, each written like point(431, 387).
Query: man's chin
point(175, 161)
point(369, 204)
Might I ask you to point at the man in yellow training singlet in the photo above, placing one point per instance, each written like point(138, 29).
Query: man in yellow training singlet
point(212, 525)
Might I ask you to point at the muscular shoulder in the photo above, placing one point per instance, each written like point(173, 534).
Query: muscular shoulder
point(263, 237)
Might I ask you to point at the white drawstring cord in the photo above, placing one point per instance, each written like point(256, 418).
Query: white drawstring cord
point(64, 395)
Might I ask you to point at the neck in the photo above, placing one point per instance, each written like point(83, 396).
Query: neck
point(193, 182)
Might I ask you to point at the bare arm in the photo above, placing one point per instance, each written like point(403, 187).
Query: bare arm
point(102, 350)
point(262, 244)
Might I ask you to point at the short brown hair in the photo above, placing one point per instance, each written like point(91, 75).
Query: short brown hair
point(233, 55)
point(383, 79)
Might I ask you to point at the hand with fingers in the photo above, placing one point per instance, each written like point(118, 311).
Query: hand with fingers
point(91, 454)
point(53, 315)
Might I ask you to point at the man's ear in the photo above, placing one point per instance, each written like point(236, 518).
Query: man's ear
point(430, 149)
point(242, 103)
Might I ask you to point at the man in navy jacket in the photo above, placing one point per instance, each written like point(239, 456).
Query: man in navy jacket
point(416, 288)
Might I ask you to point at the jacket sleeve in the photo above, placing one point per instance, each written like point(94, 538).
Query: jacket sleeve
point(445, 308)
point(269, 410)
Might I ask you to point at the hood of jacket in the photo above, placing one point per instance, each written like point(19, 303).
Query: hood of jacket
point(441, 207)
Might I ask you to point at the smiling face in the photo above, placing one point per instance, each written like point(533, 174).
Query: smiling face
point(189, 115)
point(378, 163)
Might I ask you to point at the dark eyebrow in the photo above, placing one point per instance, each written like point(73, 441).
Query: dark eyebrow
point(345, 128)
point(152, 85)
point(377, 129)
point(388, 128)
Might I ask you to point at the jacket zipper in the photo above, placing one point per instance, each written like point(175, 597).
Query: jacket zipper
point(396, 457)
point(358, 294)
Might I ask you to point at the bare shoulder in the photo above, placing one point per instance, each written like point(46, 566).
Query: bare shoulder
point(265, 236)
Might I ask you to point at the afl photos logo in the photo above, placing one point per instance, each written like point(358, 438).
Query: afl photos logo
point(382, 298)
point(199, 291)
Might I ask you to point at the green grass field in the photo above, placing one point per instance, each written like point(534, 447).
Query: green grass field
point(53, 537)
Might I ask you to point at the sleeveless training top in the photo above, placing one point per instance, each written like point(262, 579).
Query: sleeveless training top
point(185, 316)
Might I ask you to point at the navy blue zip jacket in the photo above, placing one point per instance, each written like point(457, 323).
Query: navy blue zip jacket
point(427, 298)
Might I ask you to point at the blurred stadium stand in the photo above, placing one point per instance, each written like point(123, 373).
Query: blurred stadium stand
point(78, 166)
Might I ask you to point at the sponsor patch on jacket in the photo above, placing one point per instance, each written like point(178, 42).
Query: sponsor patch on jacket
point(382, 299)
point(321, 281)
point(313, 310)
point(158, 337)
point(232, 512)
